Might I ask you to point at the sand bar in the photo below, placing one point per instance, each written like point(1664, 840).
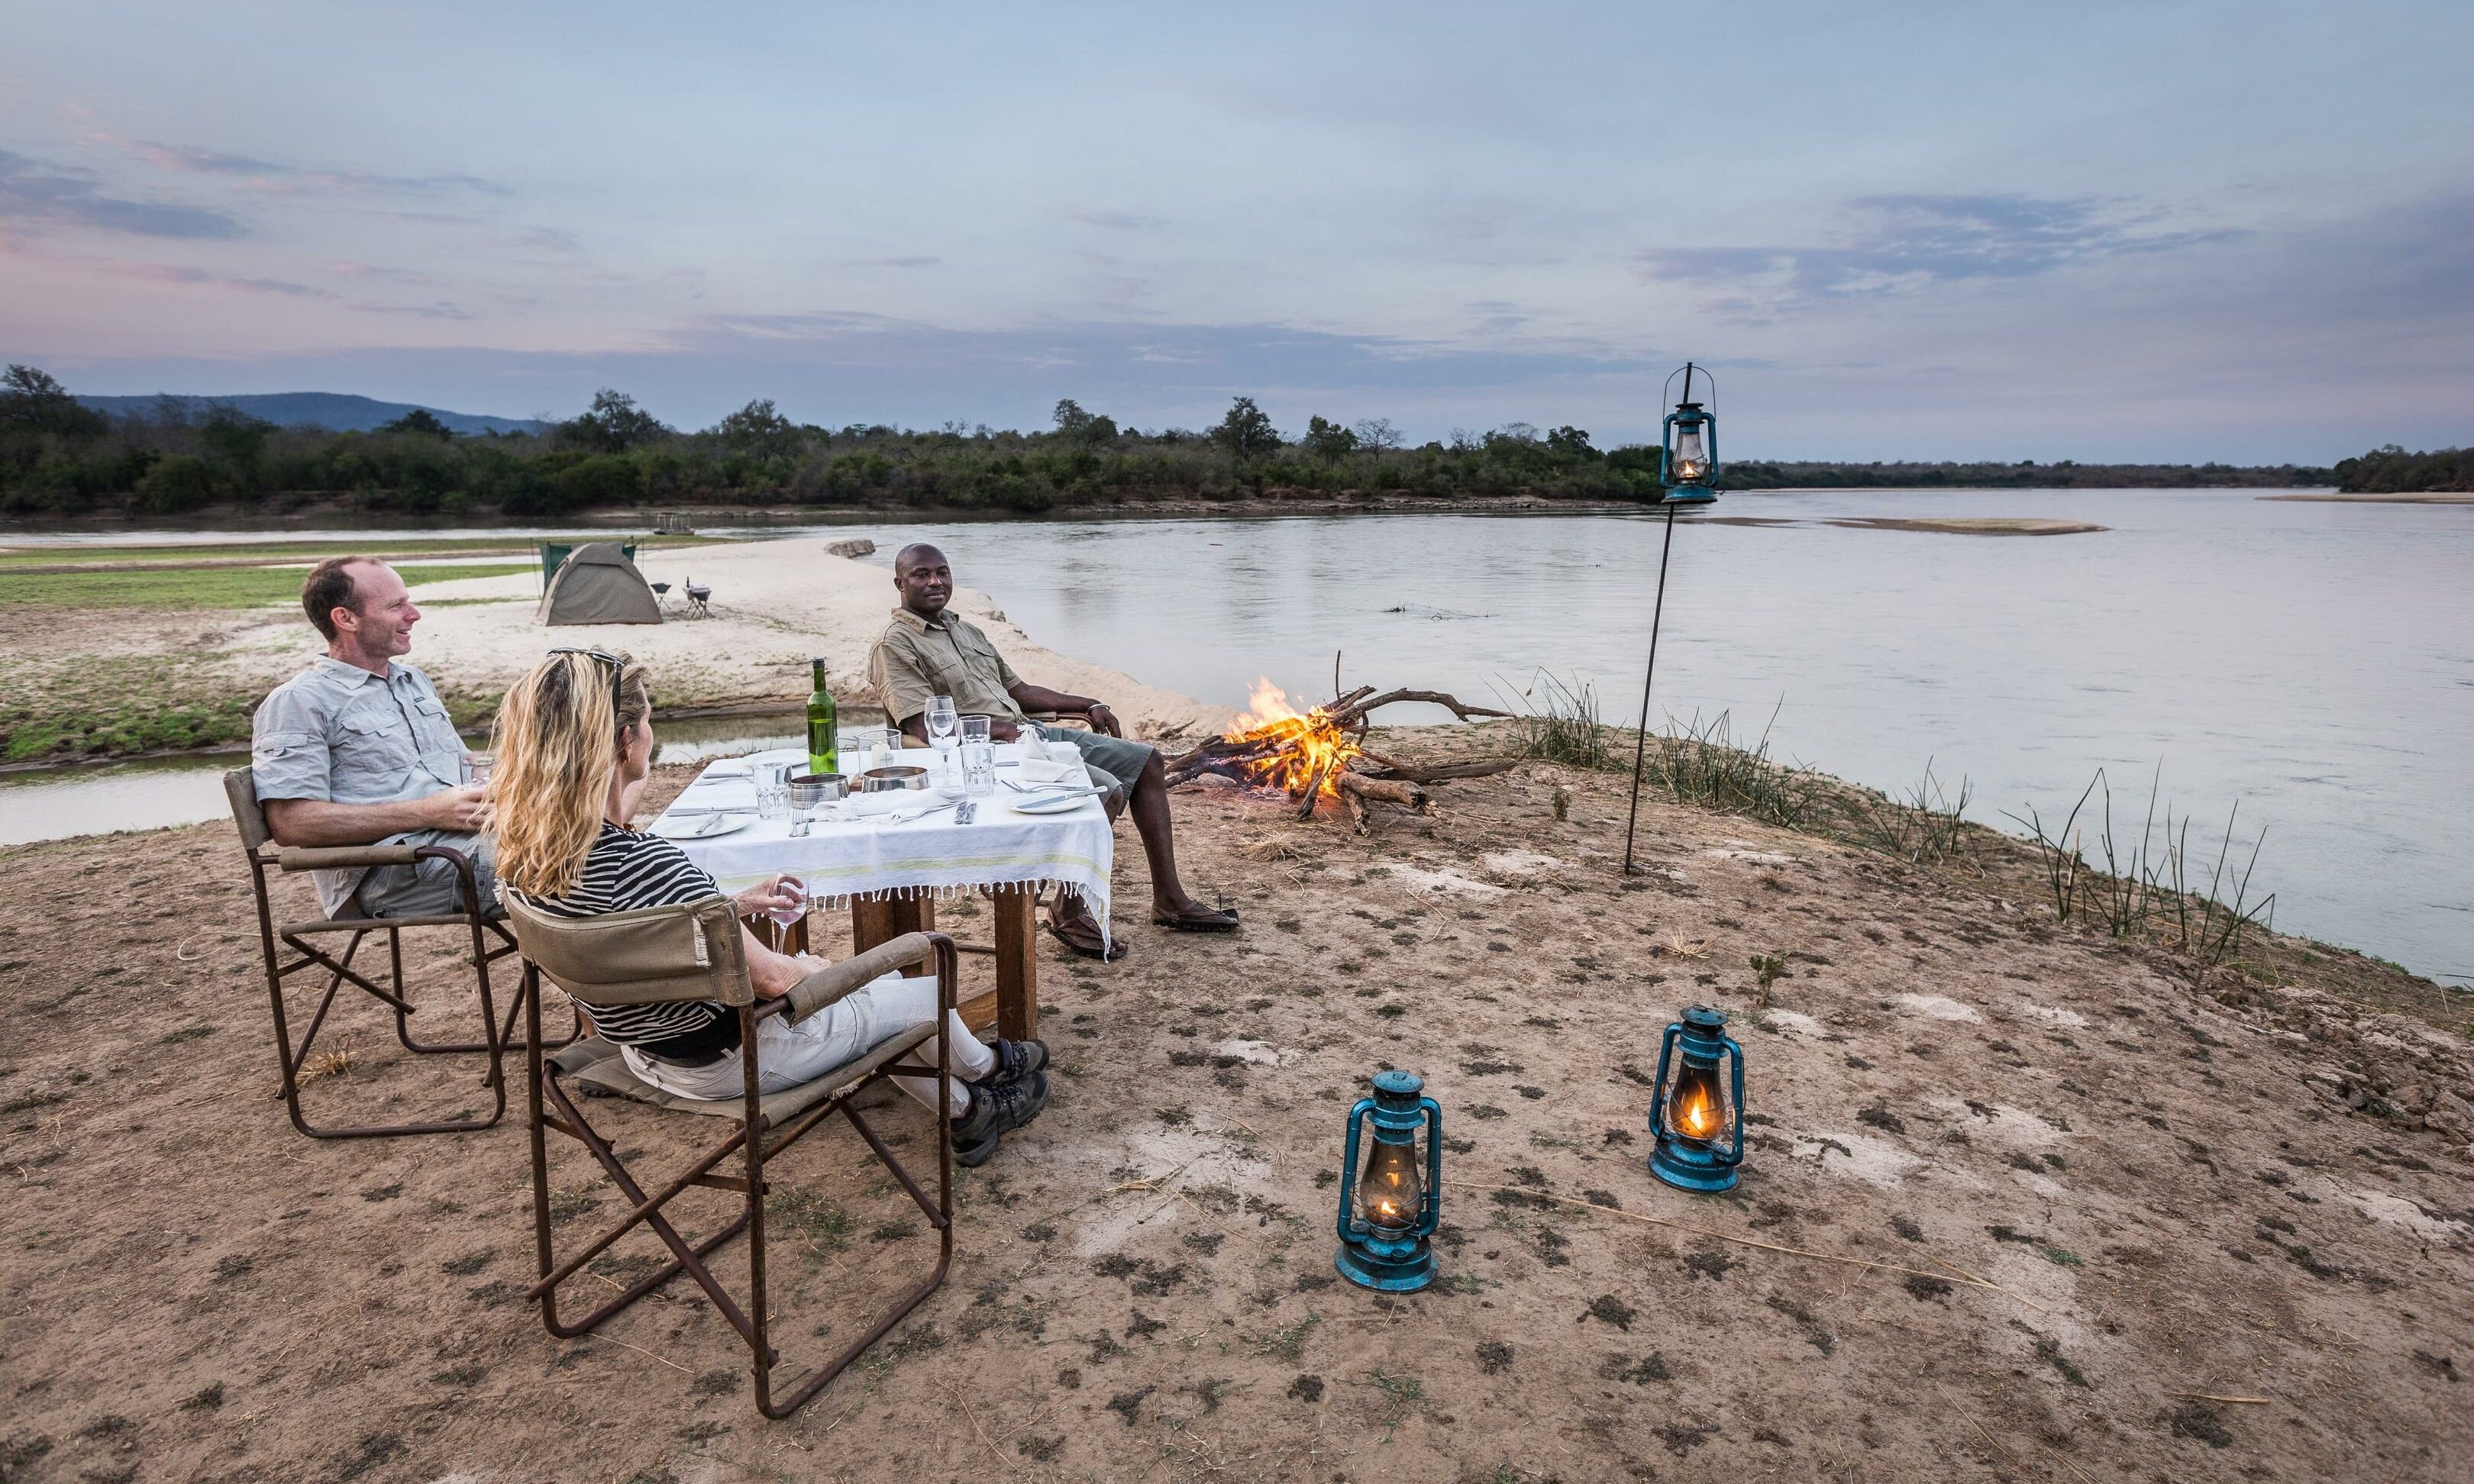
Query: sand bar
point(775, 604)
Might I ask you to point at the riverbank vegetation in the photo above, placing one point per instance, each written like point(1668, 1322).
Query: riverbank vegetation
point(59, 458)
point(2391, 470)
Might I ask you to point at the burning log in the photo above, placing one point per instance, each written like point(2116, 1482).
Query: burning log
point(1316, 754)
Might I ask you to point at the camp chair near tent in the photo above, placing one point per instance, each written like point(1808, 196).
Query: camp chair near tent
point(598, 585)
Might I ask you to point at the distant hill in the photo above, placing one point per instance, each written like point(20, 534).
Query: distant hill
point(333, 410)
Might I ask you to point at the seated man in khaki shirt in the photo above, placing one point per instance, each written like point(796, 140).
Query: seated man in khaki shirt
point(926, 651)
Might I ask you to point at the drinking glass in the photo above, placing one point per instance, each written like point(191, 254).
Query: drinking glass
point(975, 729)
point(477, 766)
point(773, 790)
point(850, 749)
point(798, 891)
point(979, 769)
point(942, 721)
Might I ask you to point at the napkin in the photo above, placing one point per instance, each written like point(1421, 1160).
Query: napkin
point(1041, 771)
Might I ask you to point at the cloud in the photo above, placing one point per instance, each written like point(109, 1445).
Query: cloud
point(167, 273)
point(1115, 221)
point(1895, 242)
point(34, 193)
point(295, 180)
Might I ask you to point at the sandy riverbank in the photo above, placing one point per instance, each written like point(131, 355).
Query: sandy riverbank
point(2261, 1189)
point(775, 604)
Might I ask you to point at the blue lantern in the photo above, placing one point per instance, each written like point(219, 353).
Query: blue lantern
point(1386, 1212)
point(1696, 1115)
point(1687, 462)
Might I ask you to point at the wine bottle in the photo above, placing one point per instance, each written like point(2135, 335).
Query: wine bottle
point(821, 725)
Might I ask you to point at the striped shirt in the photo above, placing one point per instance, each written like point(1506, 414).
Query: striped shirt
point(625, 871)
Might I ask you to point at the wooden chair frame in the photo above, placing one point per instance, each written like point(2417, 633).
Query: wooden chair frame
point(763, 1127)
point(240, 788)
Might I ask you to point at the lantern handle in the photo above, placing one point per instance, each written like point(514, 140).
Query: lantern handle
point(1658, 1089)
point(1687, 371)
point(1735, 1061)
point(1349, 1229)
point(1432, 1215)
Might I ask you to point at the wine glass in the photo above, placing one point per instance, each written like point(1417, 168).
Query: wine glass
point(942, 721)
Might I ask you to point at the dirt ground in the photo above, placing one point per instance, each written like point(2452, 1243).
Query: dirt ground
point(2095, 1197)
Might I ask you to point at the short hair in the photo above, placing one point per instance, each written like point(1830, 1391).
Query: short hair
point(331, 586)
point(904, 559)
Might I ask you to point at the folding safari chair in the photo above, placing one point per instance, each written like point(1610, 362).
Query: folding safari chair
point(693, 951)
point(241, 787)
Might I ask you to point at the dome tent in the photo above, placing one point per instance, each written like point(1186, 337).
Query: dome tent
point(598, 584)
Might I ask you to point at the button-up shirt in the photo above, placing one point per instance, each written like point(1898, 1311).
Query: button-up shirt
point(338, 733)
point(915, 659)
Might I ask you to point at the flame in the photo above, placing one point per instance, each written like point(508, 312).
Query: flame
point(1694, 1113)
point(1310, 746)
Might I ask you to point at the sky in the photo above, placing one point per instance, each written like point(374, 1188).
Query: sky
point(2177, 232)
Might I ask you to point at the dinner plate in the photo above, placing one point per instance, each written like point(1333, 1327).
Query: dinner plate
point(703, 826)
point(1065, 803)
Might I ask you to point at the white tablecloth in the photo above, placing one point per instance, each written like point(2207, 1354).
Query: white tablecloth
point(840, 859)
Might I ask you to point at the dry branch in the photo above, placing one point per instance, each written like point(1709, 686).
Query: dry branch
point(1349, 712)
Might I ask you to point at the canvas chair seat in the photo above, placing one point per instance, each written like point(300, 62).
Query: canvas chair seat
point(289, 949)
point(696, 951)
point(601, 1071)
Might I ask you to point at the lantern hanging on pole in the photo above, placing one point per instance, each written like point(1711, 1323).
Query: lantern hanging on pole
point(1687, 471)
point(1697, 1108)
point(1388, 1208)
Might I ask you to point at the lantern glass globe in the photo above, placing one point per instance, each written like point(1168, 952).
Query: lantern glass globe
point(1691, 454)
point(1389, 1193)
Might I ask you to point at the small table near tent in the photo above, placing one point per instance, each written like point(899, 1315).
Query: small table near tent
point(595, 583)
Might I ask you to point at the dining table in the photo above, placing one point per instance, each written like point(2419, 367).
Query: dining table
point(891, 857)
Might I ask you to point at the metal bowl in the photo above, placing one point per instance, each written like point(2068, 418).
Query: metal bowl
point(811, 789)
point(882, 781)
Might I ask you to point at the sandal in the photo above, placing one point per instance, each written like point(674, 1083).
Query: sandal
point(1222, 921)
point(1088, 948)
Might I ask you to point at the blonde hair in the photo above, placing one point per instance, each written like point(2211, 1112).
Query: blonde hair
point(556, 741)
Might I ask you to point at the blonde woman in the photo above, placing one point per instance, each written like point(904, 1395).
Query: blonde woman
point(574, 745)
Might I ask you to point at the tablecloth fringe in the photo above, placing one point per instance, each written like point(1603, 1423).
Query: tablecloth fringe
point(1038, 882)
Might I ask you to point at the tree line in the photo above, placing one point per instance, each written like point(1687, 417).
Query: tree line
point(61, 458)
point(2391, 470)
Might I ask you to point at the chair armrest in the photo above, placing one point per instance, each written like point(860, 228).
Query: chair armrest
point(836, 981)
point(341, 857)
point(1052, 718)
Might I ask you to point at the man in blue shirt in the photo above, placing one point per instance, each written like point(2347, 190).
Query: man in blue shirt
point(358, 749)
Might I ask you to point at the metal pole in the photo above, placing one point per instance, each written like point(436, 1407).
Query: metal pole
point(1640, 742)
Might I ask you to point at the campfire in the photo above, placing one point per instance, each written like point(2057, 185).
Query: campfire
point(1321, 752)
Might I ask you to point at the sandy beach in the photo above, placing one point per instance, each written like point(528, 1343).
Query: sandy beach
point(2021, 1201)
point(775, 605)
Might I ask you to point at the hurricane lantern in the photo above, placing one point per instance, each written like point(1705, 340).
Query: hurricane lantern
point(1389, 1206)
point(1697, 1108)
point(1688, 449)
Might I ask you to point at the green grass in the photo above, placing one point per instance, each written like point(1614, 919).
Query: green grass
point(118, 705)
point(195, 589)
point(308, 551)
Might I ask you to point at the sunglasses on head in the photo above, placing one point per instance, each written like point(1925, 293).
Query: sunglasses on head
point(617, 668)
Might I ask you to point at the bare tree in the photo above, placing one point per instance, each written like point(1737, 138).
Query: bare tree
point(1379, 434)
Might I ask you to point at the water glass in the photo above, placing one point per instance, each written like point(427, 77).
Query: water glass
point(477, 766)
point(850, 749)
point(941, 722)
point(975, 729)
point(979, 769)
point(773, 790)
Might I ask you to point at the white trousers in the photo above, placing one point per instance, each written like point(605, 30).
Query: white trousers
point(841, 1032)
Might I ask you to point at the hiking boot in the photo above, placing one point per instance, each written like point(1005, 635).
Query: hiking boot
point(1016, 1059)
point(996, 1107)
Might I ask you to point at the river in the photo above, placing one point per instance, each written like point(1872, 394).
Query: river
point(2313, 661)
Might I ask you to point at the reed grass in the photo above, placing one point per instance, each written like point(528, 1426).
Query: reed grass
point(1557, 720)
point(1698, 762)
point(1927, 827)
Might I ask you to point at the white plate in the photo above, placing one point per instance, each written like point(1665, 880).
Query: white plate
point(703, 826)
point(1065, 804)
